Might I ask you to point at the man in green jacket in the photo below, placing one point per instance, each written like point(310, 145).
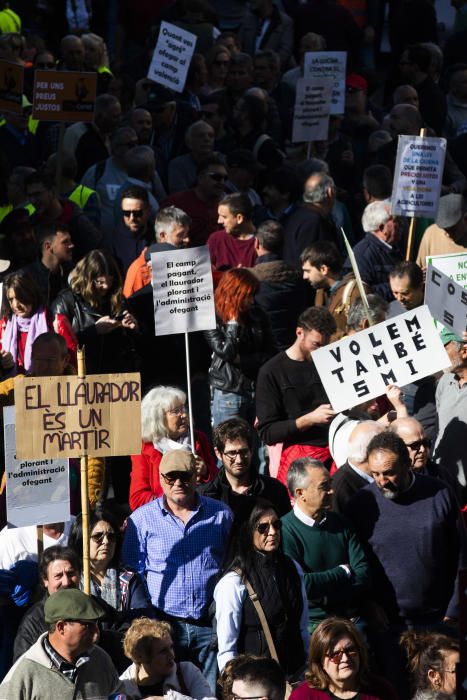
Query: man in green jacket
point(335, 568)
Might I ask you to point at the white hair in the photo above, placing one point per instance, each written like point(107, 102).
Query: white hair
point(153, 408)
point(357, 448)
point(375, 215)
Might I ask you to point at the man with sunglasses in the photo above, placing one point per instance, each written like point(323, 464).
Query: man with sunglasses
point(237, 484)
point(134, 231)
point(417, 443)
point(178, 542)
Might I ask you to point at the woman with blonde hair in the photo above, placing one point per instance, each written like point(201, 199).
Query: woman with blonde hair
point(165, 427)
point(432, 660)
point(92, 313)
point(338, 666)
point(154, 672)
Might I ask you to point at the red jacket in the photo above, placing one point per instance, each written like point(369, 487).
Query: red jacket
point(145, 483)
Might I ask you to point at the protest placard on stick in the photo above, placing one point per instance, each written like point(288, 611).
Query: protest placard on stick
point(446, 300)
point(454, 265)
point(398, 351)
point(37, 491)
point(328, 64)
point(98, 415)
point(311, 112)
point(172, 57)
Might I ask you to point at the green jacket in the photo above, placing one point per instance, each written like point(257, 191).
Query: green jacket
point(33, 677)
point(321, 550)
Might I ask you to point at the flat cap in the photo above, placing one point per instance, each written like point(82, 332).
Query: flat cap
point(71, 604)
point(448, 336)
point(177, 461)
point(451, 209)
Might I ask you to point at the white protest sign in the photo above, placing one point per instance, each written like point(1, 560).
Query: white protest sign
point(453, 265)
point(37, 492)
point(398, 351)
point(183, 291)
point(311, 112)
point(172, 57)
point(328, 64)
point(446, 300)
point(418, 176)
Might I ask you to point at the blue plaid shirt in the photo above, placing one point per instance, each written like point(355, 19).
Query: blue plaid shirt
point(181, 561)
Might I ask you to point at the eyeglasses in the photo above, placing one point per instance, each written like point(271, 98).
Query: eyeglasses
point(218, 177)
point(233, 454)
point(98, 537)
point(263, 528)
point(178, 411)
point(336, 656)
point(417, 444)
point(184, 477)
point(135, 213)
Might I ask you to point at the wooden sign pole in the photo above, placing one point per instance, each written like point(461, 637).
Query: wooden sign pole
point(59, 161)
point(84, 493)
point(408, 252)
point(40, 540)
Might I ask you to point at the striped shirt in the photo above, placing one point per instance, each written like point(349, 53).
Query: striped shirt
point(180, 560)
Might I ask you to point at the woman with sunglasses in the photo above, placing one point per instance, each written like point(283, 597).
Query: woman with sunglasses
point(121, 592)
point(217, 62)
point(277, 581)
point(165, 426)
point(92, 313)
point(338, 666)
point(432, 660)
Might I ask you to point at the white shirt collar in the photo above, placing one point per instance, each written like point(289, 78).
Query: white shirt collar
point(305, 519)
point(361, 473)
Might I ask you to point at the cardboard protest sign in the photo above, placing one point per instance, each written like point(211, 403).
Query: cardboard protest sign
point(311, 112)
point(453, 265)
point(172, 57)
point(446, 300)
point(37, 492)
point(329, 64)
point(11, 87)
point(398, 351)
point(418, 176)
point(64, 96)
point(183, 291)
point(70, 417)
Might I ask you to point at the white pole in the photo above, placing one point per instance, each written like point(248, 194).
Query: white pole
point(188, 383)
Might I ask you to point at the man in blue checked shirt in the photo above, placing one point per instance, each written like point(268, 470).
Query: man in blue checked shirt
point(178, 541)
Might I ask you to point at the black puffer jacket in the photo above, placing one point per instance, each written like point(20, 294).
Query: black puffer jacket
point(238, 351)
point(108, 352)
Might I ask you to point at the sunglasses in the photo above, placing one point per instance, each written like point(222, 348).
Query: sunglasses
point(218, 177)
point(418, 444)
point(263, 528)
point(184, 477)
point(336, 657)
point(98, 537)
point(136, 213)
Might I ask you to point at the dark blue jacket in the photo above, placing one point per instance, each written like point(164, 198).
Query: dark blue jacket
point(374, 259)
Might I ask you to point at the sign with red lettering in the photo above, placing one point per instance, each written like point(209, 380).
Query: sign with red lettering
point(71, 417)
point(398, 351)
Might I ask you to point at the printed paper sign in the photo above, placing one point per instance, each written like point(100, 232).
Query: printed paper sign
point(329, 64)
point(183, 291)
point(70, 417)
point(454, 266)
point(418, 176)
point(172, 57)
point(11, 87)
point(64, 96)
point(446, 300)
point(398, 351)
point(311, 112)
point(37, 491)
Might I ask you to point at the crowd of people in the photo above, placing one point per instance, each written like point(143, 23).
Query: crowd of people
point(280, 549)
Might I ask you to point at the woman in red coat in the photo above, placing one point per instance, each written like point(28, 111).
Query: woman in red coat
point(338, 666)
point(165, 426)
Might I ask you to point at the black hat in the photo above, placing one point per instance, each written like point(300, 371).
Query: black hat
point(158, 96)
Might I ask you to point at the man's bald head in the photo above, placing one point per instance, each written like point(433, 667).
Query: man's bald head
point(405, 119)
point(72, 50)
point(406, 95)
point(411, 431)
point(359, 440)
